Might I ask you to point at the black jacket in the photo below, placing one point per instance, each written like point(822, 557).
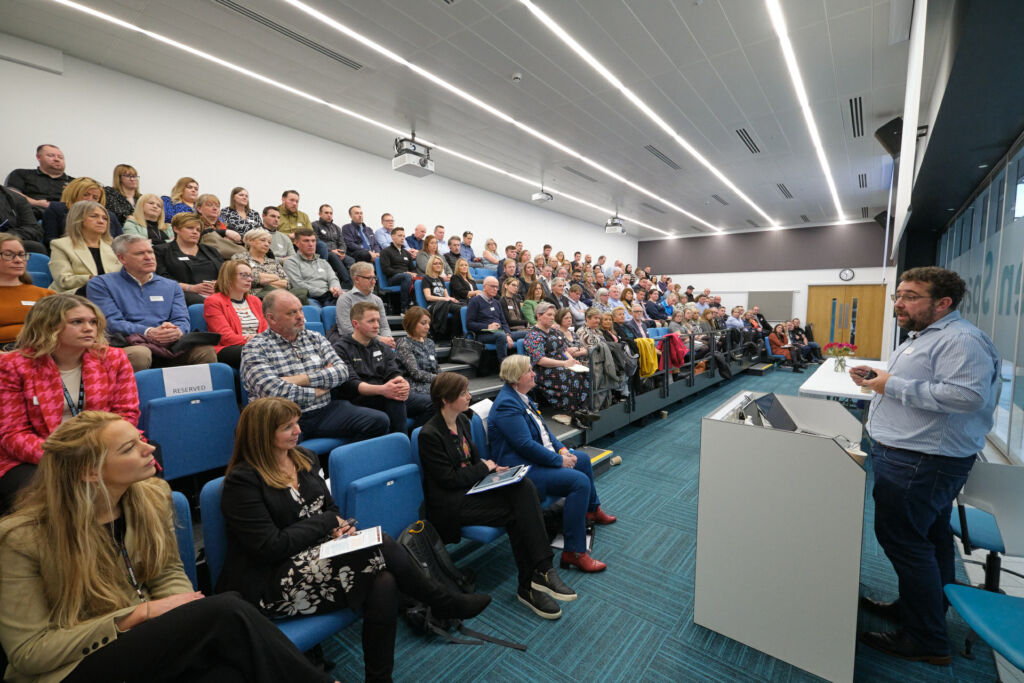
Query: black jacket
point(264, 528)
point(17, 218)
point(374, 363)
point(172, 263)
point(447, 473)
point(394, 261)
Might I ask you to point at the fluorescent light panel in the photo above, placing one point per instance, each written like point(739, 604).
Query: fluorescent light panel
point(779, 24)
point(341, 110)
point(582, 52)
point(494, 111)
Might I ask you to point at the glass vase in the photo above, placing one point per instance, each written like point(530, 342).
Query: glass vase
point(840, 365)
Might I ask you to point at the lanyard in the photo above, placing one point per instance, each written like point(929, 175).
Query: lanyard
point(75, 410)
point(127, 563)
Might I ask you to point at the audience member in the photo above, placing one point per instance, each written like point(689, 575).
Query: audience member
point(454, 251)
point(398, 265)
point(85, 252)
point(280, 243)
point(17, 293)
point(780, 346)
point(289, 361)
point(148, 221)
point(589, 293)
point(233, 313)
point(62, 345)
point(517, 435)
point(359, 236)
point(486, 320)
point(589, 333)
point(689, 294)
point(702, 303)
point(446, 321)
point(182, 198)
point(278, 511)
point(609, 326)
point(291, 218)
point(78, 190)
point(467, 251)
point(636, 326)
point(307, 270)
point(382, 235)
point(801, 338)
point(238, 215)
point(123, 194)
point(101, 594)
point(375, 380)
point(564, 324)
point(603, 301)
point(511, 254)
point(414, 242)
point(577, 306)
point(614, 292)
point(565, 390)
point(507, 271)
point(510, 305)
point(528, 275)
point(627, 298)
point(423, 258)
point(416, 352)
point(762, 321)
point(192, 265)
point(442, 247)
point(330, 245)
point(17, 218)
point(363, 280)
point(268, 272)
point(43, 184)
point(557, 298)
point(490, 253)
point(452, 464)
point(462, 284)
point(534, 295)
point(145, 312)
point(213, 233)
point(735, 320)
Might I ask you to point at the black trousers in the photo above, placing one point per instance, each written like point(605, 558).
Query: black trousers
point(418, 406)
point(12, 482)
point(231, 355)
point(517, 508)
point(218, 639)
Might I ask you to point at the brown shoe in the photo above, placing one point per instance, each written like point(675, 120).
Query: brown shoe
point(582, 561)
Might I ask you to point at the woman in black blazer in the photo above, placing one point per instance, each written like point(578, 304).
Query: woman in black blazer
point(278, 511)
point(195, 266)
point(451, 465)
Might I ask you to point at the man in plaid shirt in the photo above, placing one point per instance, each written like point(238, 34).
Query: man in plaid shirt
point(291, 362)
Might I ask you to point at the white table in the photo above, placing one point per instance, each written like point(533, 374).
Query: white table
point(827, 383)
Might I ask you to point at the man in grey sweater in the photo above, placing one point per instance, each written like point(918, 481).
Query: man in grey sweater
point(306, 269)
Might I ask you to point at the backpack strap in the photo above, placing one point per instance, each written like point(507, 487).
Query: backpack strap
point(491, 639)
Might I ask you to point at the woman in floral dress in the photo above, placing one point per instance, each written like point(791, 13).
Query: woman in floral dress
point(562, 388)
point(278, 511)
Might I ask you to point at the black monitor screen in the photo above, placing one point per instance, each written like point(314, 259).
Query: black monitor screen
point(776, 415)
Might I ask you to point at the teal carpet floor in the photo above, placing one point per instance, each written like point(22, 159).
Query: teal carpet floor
point(634, 622)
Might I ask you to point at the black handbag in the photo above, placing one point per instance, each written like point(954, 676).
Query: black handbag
point(468, 351)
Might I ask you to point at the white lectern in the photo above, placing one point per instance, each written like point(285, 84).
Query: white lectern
point(779, 524)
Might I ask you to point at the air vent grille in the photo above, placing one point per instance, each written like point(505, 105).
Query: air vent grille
point(862, 180)
point(784, 190)
point(752, 224)
point(864, 211)
point(290, 34)
point(857, 116)
point(581, 174)
point(748, 141)
point(805, 218)
point(719, 199)
point(651, 207)
point(662, 157)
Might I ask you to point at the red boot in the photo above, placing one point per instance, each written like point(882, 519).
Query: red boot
point(582, 561)
point(599, 516)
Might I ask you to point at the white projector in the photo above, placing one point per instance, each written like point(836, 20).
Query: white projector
point(613, 226)
point(412, 164)
point(542, 196)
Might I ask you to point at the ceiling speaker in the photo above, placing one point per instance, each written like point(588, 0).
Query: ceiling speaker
point(890, 135)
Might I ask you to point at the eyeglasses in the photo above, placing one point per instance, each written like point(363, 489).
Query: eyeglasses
point(367, 277)
point(12, 255)
point(909, 298)
point(245, 276)
point(129, 176)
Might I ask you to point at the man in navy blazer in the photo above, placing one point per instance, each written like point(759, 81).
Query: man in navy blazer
point(359, 237)
point(485, 319)
point(517, 435)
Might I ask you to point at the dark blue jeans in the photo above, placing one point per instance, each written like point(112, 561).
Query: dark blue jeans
point(914, 495)
point(577, 485)
point(339, 419)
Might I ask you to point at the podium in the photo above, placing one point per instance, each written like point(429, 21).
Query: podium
point(779, 525)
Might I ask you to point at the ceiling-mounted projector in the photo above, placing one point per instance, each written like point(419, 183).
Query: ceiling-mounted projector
point(412, 158)
point(613, 226)
point(542, 196)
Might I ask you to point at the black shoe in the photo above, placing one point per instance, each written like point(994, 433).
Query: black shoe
point(899, 644)
point(549, 582)
point(579, 424)
point(541, 603)
point(798, 371)
point(886, 610)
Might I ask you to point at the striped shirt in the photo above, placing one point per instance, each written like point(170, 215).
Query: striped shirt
point(268, 357)
point(942, 393)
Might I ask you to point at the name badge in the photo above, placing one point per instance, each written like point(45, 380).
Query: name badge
point(406, 258)
point(376, 354)
point(183, 258)
point(28, 303)
point(492, 309)
point(320, 268)
point(314, 358)
point(431, 358)
point(156, 297)
point(909, 349)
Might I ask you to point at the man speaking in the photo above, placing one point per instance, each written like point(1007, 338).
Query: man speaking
point(932, 409)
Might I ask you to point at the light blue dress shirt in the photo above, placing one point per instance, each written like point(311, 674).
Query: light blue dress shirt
point(382, 237)
point(942, 393)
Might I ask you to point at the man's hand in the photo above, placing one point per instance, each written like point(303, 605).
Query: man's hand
point(205, 288)
point(412, 252)
point(165, 333)
point(387, 341)
point(335, 292)
point(568, 460)
point(395, 389)
point(876, 384)
point(338, 252)
point(494, 326)
point(374, 255)
point(509, 341)
point(301, 380)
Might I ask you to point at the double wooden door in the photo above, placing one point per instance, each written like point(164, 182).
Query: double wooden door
point(848, 313)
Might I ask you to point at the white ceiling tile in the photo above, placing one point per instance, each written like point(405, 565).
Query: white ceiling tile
point(739, 79)
point(708, 24)
point(850, 35)
point(669, 31)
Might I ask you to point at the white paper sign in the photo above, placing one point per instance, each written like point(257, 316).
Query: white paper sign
point(187, 379)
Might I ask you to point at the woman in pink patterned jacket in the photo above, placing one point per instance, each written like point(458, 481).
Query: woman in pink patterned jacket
point(62, 366)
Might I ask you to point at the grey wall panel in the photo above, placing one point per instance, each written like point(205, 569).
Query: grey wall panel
point(831, 246)
point(774, 305)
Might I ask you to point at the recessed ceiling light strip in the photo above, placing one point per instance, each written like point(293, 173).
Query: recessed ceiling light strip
point(585, 55)
point(437, 80)
point(342, 110)
point(779, 24)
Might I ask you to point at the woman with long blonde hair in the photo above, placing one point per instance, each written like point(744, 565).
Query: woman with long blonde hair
point(80, 189)
point(148, 220)
point(92, 586)
point(279, 510)
point(61, 366)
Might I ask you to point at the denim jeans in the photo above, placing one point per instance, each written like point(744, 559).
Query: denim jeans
point(914, 495)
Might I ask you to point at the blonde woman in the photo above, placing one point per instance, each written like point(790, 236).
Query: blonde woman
point(238, 215)
point(463, 286)
point(148, 220)
point(123, 194)
point(182, 198)
point(78, 190)
point(490, 255)
point(214, 233)
point(92, 586)
point(428, 251)
point(444, 308)
point(85, 252)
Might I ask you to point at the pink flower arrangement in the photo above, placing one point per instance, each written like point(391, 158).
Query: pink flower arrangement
point(840, 349)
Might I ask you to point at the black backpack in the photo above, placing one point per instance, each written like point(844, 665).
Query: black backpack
point(427, 552)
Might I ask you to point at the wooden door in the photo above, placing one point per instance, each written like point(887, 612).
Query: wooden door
point(848, 313)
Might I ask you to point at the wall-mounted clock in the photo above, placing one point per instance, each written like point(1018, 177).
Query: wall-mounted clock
point(846, 274)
